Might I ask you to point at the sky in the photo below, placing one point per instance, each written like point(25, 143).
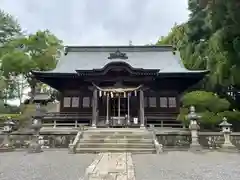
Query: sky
point(99, 22)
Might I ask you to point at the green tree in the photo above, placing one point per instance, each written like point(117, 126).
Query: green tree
point(208, 105)
point(211, 39)
point(38, 51)
point(9, 27)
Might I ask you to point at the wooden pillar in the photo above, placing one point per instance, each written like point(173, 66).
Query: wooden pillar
point(107, 116)
point(94, 108)
point(119, 108)
point(142, 116)
point(128, 106)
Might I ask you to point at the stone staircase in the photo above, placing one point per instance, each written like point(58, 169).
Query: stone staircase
point(116, 140)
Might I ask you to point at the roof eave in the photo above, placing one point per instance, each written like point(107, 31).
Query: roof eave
point(190, 74)
point(52, 74)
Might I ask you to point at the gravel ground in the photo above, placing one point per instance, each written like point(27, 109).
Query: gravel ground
point(187, 166)
point(49, 165)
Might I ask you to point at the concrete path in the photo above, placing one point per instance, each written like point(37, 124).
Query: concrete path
point(111, 166)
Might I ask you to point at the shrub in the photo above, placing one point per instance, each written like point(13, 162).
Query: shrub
point(205, 101)
point(209, 106)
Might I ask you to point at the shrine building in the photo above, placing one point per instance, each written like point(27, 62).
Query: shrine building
point(120, 85)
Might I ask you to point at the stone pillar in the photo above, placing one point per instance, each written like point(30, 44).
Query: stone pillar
point(194, 128)
point(94, 108)
point(226, 130)
point(142, 116)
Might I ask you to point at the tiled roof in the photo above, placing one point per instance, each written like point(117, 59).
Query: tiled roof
point(145, 57)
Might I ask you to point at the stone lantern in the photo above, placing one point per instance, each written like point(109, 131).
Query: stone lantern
point(194, 128)
point(7, 129)
point(34, 146)
point(226, 130)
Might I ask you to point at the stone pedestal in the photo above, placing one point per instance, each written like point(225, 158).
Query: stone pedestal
point(227, 145)
point(194, 127)
point(7, 145)
point(34, 146)
point(195, 146)
point(71, 149)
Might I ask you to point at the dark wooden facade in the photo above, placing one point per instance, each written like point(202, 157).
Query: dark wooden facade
point(157, 100)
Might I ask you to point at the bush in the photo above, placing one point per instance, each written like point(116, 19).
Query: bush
point(28, 111)
point(4, 117)
point(209, 106)
point(205, 101)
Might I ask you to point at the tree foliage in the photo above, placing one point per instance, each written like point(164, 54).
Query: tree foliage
point(208, 105)
point(211, 39)
point(22, 53)
point(9, 27)
point(38, 52)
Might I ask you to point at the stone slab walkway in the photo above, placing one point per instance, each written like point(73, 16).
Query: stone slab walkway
point(111, 166)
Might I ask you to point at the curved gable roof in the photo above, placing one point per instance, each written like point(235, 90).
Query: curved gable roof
point(145, 57)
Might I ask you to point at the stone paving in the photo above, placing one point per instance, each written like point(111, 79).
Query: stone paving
point(111, 166)
point(187, 166)
point(59, 165)
point(49, 165)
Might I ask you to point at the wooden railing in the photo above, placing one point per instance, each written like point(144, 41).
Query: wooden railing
point(68, 115)
point(73, 119)
point(159, 119)
point(69, 119)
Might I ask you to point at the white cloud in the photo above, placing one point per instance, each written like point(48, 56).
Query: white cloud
point(94, 22)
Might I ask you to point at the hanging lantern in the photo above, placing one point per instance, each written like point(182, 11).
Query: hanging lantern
point(111, 94)
point(100, 93)
point(104, 93)
point(135, 92)
point(124, 94)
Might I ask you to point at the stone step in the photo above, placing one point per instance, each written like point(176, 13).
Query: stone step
point(117, 145)
point(116, 130)
point(118, 136)
point(132, 150)
point(116, 140)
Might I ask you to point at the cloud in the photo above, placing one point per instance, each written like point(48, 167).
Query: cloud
point(95, 22)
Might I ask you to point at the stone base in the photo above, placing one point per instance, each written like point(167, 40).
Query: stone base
point(195, 148)
point(71, 149)
point(228, 148)
point(7, 148)
point(35, 148)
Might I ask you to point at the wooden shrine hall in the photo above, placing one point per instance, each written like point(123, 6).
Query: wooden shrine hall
point(119, 86)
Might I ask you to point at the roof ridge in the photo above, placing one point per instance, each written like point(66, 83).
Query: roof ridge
point(132, 48)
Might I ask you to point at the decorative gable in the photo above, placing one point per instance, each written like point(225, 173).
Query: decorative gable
point(118, 55)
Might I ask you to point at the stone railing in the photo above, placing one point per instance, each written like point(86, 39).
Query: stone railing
point(181, 140)
point(72, 146)
point(51, 140)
